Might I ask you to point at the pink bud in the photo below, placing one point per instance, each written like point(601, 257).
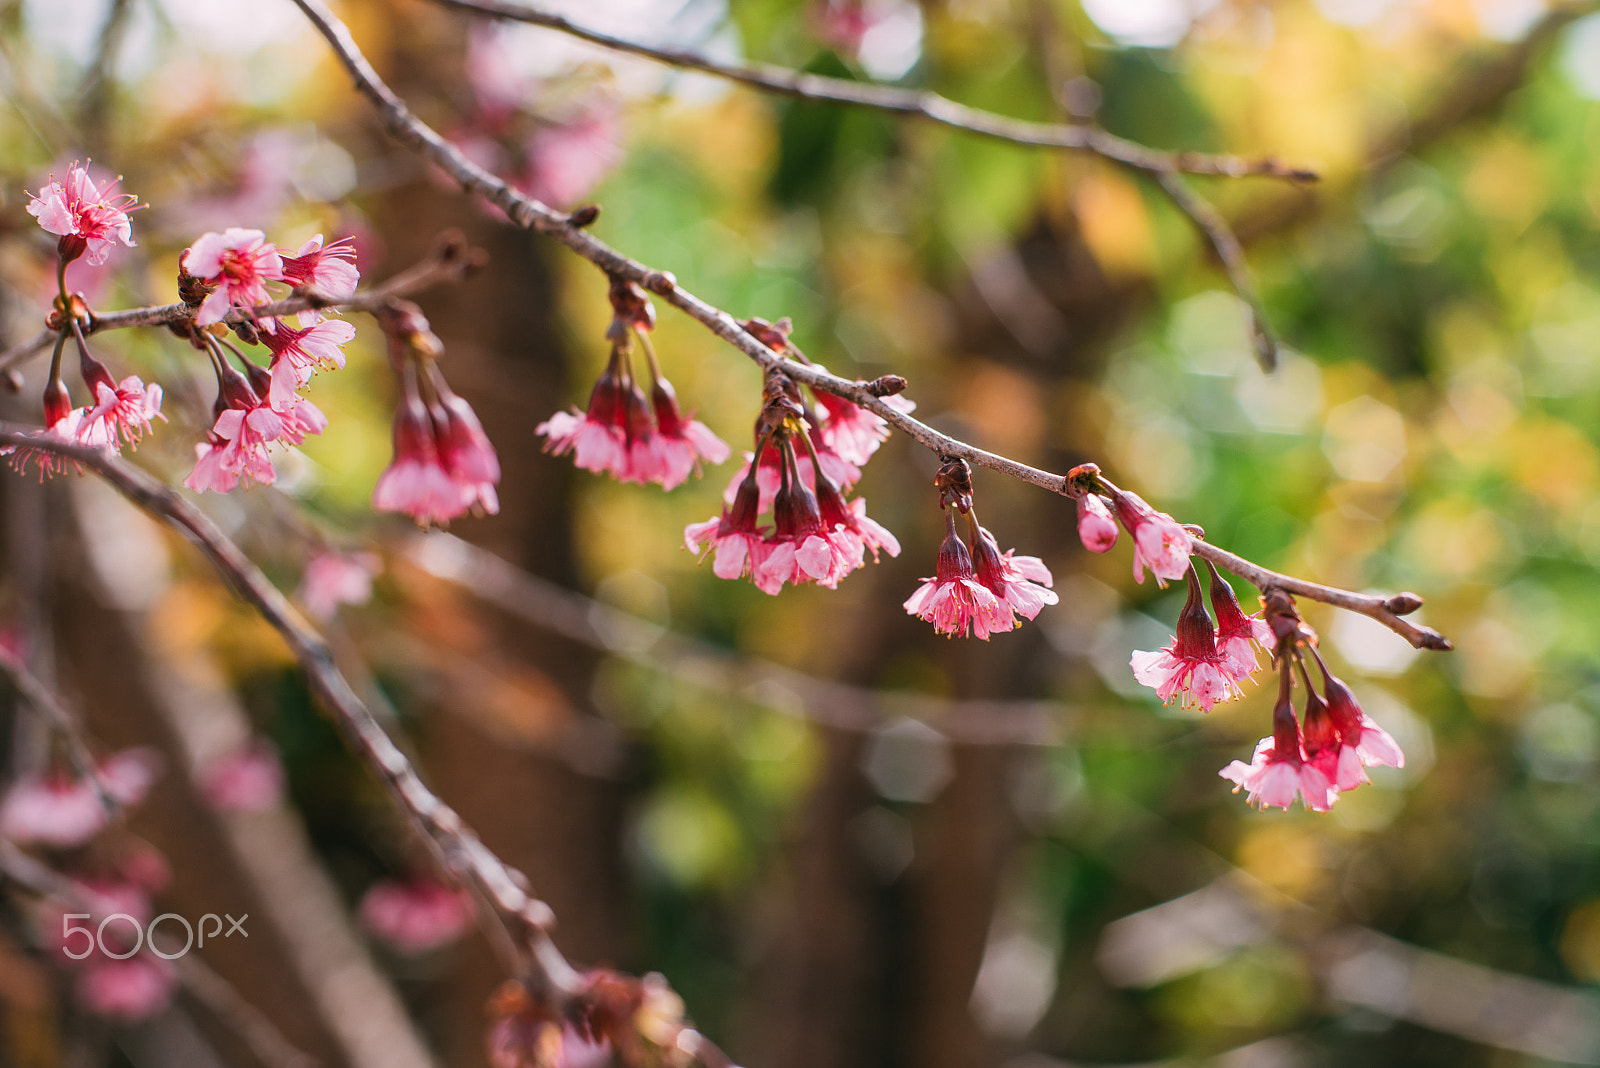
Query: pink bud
point(1095, 526)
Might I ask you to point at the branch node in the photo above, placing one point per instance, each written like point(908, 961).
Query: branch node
point(584, 216)
point(662, 282)
point(886, 386)
point(1403, 604)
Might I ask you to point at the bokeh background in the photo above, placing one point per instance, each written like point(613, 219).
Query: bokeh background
point(845, 840)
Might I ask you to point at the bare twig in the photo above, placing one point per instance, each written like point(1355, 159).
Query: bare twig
point(526, 919)
point(911, 102)
point(264, 1040)
point(1220, 236)
point(450, 260)
point(534, 215)
point(65, 724)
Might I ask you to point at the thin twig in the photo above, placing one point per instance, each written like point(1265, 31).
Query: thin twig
point(534, 215)
point(450, 260)
point(911, 102)
point(457, 847)
point(1220, 236)
point(66, 725)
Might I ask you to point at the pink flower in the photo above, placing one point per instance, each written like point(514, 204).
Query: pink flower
point(1096, 529)
point(297, 354)
point(954, 599)
point(768, 477)
point(63, 423)
point(89, 219)
point(1279, 772)
point(416, 482)
point(250, 779)
point(853, 433)
point(594, 437)
point(682, 442)
point(1020, 583)
point(236, 449)
point(121, 413)
point(1159, 543)
point(332, 270)
point(849, 518)
point(126, 990)
point(64, 812)
point(332, 579)
point(801, 549)
point(740, 545)
point(301, 421)
point(415, 917)
point(1238, 635)
point(1191, 665)
point(239, 263)
point(1356, 730)
point(467, 454)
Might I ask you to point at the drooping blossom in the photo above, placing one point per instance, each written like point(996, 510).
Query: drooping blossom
point(740, 545)
point(1096, 527)
point(850, 519)
point(334, 578)
point(299, 353)
point(466, 452)
point(801, 549)
point(416, 482)
point(852, 432)
point(1339, 764)
point(954, 600)
point(415, 916)
point(595, 436)
point(681, 442)
point(1357, 731)
point(1190, 668)
point(330, 269)
point(89, 218)
point(235, 451)
point(769, 472)
point(1238, 635)
point(126, 991)
point(63, 423)
point(249, 779)
point(1278, 771)
point(1020, 583)
point(64, 811)
point(239, 263)
point(121, 413)
point(1159, 542)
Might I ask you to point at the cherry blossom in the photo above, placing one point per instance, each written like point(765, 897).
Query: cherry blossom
point(1278, 771)
point(1238, 635)
point(1020, 583)
point(466, 452)
point(126, 990)
point(239, 263)
point(236, 449)
point(852, 432)
point(416, 916)
point(740, 545)
point(63, 811)
point(63, 423)
point(850, 519)
point(416, 482)
point(681, 441)
point(801, 549)
point(1190, 668)
point(1159, 542)
point(954, 600)
point(299, 353)
point(89, 218)
point(1096, 528)
point(331, 269)
point(121, 413)
point(1356, 730)
point(595, 436)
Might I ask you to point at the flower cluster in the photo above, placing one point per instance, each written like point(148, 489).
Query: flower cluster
point(612, 1018)
point(444, 465)
point(818, 535)
point(89, 218)
point(977, 587)
point(1205, 663)
point(230, 272)
point(623, 433)
point(1324, 752)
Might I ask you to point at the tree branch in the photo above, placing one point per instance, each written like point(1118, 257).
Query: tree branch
point(531, 214)
point(915, 103)
point(450, 260)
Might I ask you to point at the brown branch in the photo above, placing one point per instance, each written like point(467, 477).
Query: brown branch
point(1220, 236)
point(450, 260)
point(534, 215)
point(224, 1001)
point(914, 103)
point(525, 919)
